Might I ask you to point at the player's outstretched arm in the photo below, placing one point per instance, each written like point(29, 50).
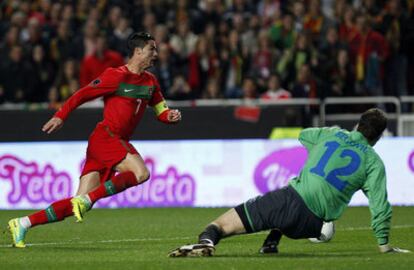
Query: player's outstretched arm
point(389, 249)
point(55, 123)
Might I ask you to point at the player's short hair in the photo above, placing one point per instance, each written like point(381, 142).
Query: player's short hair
point(372, 123)
point(138, 40)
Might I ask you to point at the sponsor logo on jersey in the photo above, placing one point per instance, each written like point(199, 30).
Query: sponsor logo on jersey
point(135, 91)
point(95, 83)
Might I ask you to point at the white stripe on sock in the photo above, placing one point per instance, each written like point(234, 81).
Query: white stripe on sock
point(208, 240)
point(25, 222)
point(89, 199)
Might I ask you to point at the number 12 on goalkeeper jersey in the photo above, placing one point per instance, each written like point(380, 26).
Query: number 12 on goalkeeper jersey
point(332, 176)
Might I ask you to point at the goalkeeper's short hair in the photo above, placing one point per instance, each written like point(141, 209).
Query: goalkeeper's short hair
point(372, 124)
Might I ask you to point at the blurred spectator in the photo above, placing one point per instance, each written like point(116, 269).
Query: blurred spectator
point(341, 76)
point(282, 33)
point(293, 59)
point(92, 66)
point(394, 28)
point(212, 90)
point(237, 22)
point(223, 30)
point(242, 7)
point(32, 36)
point(94, 14)
point(328, 8)
point(183, 42)
point(209, 13)
point(315, 22)
point(199, 64)
point(114, 16)
point(180, 90)
point(249, 89)
point(149, 22)
point(69, 17)
point(305, 86)
point(16, 76)
point(328, 50)
point(164, 68)
point(43, 75)
point(158, 8)
point(368, 51)
point(298, 11)
point(267, 9)
point(370, 8)
point(119, 36)
point(65, 85)
point(347, 29)
point(11, 39)
point(180, 13)
point(340, 6)
point(263, 61)
point(249, 36)
point(161, 34)
point(55, 14)
point(85, 45)
point(82, 11)
point(274, 89)
point(320, 34)
point(61, 46)
point(409, 43)
point(232, 65)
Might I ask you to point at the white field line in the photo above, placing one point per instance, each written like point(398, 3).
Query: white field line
point(76, 242)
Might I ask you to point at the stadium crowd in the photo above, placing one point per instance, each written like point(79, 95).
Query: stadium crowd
point(270, 49)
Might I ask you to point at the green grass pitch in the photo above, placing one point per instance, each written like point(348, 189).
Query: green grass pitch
point(141, 238)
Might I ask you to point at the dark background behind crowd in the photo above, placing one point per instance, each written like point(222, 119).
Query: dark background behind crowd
point(209, 49)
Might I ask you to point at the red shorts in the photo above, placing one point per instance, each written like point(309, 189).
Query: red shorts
point(105, 151)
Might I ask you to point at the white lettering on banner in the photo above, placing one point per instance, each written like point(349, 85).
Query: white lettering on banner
point(157, 190)
point(30, 178)
point(169, 189)
point(29, 182)
point(35, 187)
point(411, 161)
point(277, 176)
point(183, 189)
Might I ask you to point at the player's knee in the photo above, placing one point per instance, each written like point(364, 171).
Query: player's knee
point(142, 176)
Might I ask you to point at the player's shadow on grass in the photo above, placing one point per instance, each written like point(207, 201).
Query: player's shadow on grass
point(286, 255)
point(75, 248)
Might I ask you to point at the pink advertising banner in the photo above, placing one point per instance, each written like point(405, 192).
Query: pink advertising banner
point(205, 173)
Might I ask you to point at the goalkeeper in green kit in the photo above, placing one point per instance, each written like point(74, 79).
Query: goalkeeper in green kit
point(339, 164)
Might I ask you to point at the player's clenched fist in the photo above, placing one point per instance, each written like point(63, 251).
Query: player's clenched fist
point(52, 125)
point(174, 116)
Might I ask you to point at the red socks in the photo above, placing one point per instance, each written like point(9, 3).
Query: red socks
point(59, 210)
point(55, 212)
point(113, 186)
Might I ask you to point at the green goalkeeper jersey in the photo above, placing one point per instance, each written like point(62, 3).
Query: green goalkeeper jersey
point(339, 164)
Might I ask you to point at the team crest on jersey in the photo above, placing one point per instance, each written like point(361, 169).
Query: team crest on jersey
point(95, 83)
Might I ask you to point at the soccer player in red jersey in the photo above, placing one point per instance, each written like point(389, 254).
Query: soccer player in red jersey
point(127, 91)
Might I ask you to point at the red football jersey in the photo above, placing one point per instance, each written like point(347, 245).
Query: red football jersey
point(126, 95)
